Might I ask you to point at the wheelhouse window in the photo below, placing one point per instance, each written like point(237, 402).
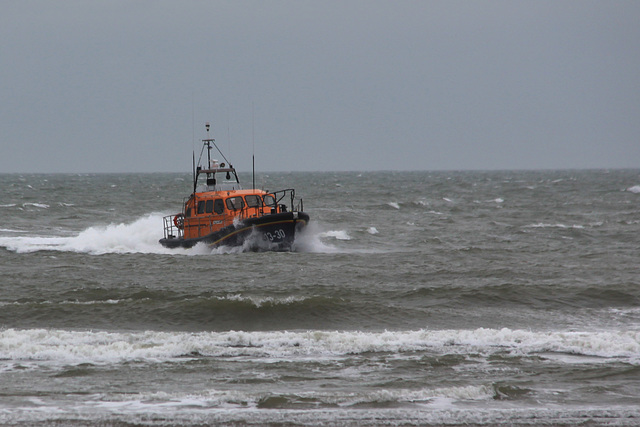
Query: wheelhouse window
point(218, 206)
point(269, 200)
point(201, 204)
point(235, 203)
point(209, 208)
point(253, 201)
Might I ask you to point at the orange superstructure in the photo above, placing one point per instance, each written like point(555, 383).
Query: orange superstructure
point(207, 212)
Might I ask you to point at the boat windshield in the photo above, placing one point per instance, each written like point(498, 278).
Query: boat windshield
point(253, 201)
point(270, 201)
point(235, 203)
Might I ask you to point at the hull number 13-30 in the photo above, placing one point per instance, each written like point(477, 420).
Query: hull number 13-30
point(278, 234)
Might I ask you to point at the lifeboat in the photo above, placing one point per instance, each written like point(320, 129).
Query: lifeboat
point(220, 212)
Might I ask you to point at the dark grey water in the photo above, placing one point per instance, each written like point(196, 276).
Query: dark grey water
point(413, 298)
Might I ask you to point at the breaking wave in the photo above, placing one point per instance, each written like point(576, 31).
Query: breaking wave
point(139, 236)
point(63, 346)
point(142, 236)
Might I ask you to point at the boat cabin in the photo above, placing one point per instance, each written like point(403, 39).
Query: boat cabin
point(207, 212)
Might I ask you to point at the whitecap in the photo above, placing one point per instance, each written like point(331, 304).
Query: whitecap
point(372, 230)
point(36, 205)
point(394, 205)
point(546, 225)
point(635, 189)
point(62, 346)
point(337, 234)
point(8, 230)
point(260, 301)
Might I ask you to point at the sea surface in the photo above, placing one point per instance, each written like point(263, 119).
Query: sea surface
point(413, 298)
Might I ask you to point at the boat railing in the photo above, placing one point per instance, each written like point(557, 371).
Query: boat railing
point(290, 194)
point(283, 201)
point(174, 228)
point(171, 229)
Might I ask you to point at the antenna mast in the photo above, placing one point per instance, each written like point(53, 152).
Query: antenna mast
point(208, 141)
point(195, 177)
point(253, 146)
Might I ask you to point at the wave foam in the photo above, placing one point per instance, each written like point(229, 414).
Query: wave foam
point(36, 205)
point(635, 189)
point(262, 301)
point(337, 234)
point(545, 225)
point(8, 230)
point(61, 346)
point(140, 236)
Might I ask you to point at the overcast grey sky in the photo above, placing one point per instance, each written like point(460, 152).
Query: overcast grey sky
point(117, 86)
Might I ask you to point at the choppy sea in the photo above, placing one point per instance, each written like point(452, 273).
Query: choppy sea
point(413, 298)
